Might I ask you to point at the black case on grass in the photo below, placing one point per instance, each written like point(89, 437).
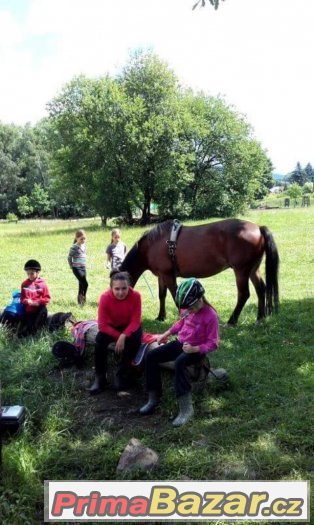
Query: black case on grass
point(11, 419)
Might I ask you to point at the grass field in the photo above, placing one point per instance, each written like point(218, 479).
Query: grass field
point(260, 428)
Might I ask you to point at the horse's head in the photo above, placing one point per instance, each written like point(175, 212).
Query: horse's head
point(134, 263)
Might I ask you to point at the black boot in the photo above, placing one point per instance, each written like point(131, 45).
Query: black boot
point(98, 385)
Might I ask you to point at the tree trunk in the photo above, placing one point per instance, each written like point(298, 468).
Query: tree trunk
point(129, 214)
point(103, 221)
point(146, 209)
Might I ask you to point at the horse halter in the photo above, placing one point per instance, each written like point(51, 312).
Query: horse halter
point(172, 244)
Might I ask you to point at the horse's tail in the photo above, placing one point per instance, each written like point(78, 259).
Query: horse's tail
point(272, 268)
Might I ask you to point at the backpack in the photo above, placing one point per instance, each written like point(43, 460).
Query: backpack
point(15, 308)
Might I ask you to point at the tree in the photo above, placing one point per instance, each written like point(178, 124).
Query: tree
point(153, 88)
point(225, 164)
point(9, 184)
point(23, 205)
point(307, 188)
point(39, 201)
point(294, 191)
point(309, 172)
point(298, 175)
point(115, 138)
point(24, 161)
point(89, 120)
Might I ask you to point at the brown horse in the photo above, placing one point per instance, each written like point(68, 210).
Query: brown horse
point(206, 250)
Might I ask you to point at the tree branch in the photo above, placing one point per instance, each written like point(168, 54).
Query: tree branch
point(202, 3)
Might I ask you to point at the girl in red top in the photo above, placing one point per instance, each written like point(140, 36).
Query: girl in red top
point(119, 321)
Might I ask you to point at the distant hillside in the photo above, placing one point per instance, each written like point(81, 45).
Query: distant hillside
point(278, 177)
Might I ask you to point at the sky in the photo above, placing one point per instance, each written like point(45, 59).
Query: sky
point(257, 54)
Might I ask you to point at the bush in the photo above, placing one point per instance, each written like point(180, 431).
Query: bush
point(11, 217)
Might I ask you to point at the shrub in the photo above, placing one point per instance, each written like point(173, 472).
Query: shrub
point(11, 217)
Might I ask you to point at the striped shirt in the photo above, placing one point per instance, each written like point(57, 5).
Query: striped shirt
point(77, 256)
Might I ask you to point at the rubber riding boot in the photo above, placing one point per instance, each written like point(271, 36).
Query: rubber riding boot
point(79, 299)
point(186, 410)
point(149, 408)
point(98, 385)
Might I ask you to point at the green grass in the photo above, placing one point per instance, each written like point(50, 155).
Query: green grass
point(261, 428)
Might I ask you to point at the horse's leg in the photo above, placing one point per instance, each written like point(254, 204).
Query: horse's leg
point(242, 280)
point(165, 282)
point(260, 289)
point(171, 283)
point(162, 292)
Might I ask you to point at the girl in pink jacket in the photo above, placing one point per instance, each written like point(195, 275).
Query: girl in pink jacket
point(197, 334)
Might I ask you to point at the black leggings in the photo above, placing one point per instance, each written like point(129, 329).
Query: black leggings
point(33, 321)
point(80, 274)
point(132, 344)
point(170, 352)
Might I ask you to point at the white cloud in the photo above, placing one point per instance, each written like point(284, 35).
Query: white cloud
point(256, 53)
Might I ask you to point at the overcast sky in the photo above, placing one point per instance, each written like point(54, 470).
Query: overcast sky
point(257, 53)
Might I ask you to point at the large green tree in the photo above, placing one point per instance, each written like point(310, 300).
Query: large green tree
point(122, 144)
point(115, 138)
point(89, 122)
point(226, 165)
point(153, 88)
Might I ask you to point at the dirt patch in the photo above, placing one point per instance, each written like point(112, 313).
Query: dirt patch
point(109, 409)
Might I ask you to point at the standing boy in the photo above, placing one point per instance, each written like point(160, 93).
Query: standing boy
point(35, 297)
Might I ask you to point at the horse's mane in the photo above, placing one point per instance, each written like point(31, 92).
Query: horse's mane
point(130, 258)
point(157, 232)
point(150, 236)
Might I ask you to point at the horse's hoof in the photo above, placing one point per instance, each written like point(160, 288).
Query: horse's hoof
point(160, 318)
point(259, 321)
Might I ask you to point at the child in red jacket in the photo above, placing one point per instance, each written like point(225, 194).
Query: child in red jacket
point(35, 297)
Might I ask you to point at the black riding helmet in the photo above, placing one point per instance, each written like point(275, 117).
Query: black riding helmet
point(32, 264)
point(188, 293)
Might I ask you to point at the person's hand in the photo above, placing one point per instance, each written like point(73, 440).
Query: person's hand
point(189, 349)
point(31, 302)
point(161, 337)
point(120, 344)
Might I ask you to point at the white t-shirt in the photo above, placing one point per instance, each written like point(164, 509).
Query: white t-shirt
point(117, 253)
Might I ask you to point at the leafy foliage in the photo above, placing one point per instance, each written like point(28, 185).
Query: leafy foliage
point(202, 3)
point(143, 140)
point(298, 175)
point(24, 206)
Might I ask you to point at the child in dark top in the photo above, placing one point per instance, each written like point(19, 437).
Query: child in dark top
point(34, 296)
point(115, 251)
point(77, 263)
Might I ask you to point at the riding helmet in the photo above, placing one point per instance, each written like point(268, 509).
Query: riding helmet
point(32, 265)
point(188, 293)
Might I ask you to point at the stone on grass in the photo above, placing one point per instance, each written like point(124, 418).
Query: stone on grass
point(137, 456)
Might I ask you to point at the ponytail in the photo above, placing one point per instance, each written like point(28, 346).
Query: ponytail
point(78, 234)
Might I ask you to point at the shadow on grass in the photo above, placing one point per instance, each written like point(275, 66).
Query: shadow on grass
point(41, 231)
point(259, 428)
